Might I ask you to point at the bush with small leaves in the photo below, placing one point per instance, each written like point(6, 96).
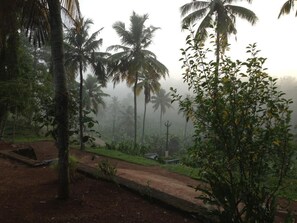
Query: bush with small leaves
point(107, 168)
point(242, 133)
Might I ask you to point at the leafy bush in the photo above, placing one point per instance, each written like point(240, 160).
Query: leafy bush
point(128, 148)
point(242, 133)
point(107, 168)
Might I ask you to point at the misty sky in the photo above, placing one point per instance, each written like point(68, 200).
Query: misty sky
point(276, 38)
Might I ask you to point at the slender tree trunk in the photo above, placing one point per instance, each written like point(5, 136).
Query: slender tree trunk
point(3, 119)
point(217, 59)
point(135, 111)
point(160, 121)
point(143, 123)
point(113, 128)
point(81, 134)
point(15, 118)
point(185, 131)
point(61, 96)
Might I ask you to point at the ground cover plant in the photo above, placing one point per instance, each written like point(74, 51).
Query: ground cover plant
point(242, 133)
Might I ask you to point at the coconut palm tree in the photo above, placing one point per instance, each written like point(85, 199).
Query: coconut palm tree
point(132, 56)
point(40, 20)
point(287, 7)
point(215, 13)
point(149, 84)
point(93, 94)
point(161, 100)
point(81, 51)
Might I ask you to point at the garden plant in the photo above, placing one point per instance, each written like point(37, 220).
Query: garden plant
point(242, 133)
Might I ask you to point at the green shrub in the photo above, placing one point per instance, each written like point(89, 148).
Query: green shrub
point(128, 147)
point(242, 133)
point(106, 167)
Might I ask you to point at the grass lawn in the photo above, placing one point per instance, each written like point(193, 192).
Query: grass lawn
point(122, 156)
point(177, 168)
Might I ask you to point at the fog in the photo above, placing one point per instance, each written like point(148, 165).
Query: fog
point(179, 127)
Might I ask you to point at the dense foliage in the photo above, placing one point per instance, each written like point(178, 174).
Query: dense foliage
point(242, 133)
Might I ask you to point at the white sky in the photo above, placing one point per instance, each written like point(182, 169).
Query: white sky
point(276, 38)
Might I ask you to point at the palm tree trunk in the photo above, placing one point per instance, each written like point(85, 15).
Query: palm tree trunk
point(113, 128)
point(15, 119)
point(160, 121)
point(135, 110)
point(81, 134)
point(61, 96)
point(217, 60)
point(185, 131)
point(143, 123)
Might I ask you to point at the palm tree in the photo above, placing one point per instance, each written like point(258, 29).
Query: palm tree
point(161, 100)
point(132, 57)
point(218, 13)
point(93, 94)
point(149, 84)
point(42, 19)
point(81, 51)
point(287, 7)
point(61, 95)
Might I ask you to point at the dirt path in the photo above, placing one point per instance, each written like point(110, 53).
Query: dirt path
point(28, 196)
point(20, 186)
point(150, 176)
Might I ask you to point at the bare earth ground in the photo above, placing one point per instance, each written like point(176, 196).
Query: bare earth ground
point(27, 194)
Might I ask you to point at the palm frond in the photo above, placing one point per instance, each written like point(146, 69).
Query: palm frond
point(148, 53)
point(35, 20)
point(124, 35)
point(194, 16)
point(194, 5)
point(93, 38)
point(286, 8)
point(117, 47)
point(201, 33)
point(72, 7)
point(243, 13)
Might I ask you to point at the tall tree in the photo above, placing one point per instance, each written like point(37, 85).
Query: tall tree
point(40, 18)
point(149, 84)
point(61, 96)
point(215, 13)
point(81, 50)
point(132, 57)
point(161, 100)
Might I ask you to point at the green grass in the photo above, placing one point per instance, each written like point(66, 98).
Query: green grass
point(25, 139)
point(183, 170)
point(23, 134)
point(177, 168)
point(122, 156)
